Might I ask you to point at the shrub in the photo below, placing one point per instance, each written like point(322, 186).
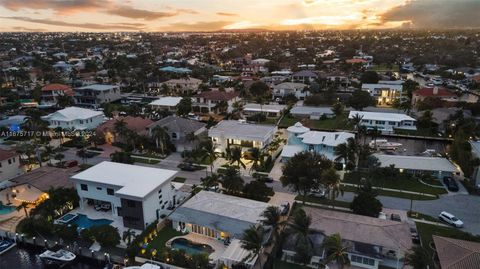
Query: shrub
point(105, 235)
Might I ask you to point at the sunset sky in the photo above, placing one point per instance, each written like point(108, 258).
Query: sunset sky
point(210, 15)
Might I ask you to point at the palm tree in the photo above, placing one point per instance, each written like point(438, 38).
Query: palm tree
point(232, 181)
point(209, 153)
point(24, 206)
point(160, 135)
point(253, 241)
point(337, 250)
point(271, 217)
point(210, 181)
point(59, 157)
point(49, 151)
point(300, 228)
point(120, 128)
point(342, 152)
point(128, 236)
point(356, 120)
point(418, 258)
point(257, 158)
point(236, 157)
point(332, 180)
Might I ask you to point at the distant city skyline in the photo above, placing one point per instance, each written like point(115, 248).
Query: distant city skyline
point(214, 15)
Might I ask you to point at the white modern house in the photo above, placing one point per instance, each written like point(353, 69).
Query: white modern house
point(96, 94)
point(283, 89)
point(10, 165)
point(137, 194)
point(301, 138)
point(384, 93)
point(75, 118)
point(168, 103)
point(384, 122)
point(269, 110)
point(237, 133)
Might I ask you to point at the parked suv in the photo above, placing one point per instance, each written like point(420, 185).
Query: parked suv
point(450, 219)
point(453, 185)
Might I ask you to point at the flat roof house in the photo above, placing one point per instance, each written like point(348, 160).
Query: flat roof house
point(168, 103)
point(75, 118)
point(268, 110)
point(217, 215)
point(137, 194)
point(235, 133)
point(311, 112)
point(96, 94)
point(384, 93)
point(384, 122)
point(372, 242)
point(438, 166)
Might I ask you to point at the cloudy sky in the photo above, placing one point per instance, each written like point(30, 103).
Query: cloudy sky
point(208, 15)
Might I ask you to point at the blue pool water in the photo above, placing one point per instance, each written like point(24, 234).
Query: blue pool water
point(191, 248)
point(6, 209)
point(67, 217)
point(83, 222)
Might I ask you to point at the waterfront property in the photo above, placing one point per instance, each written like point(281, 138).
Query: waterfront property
point(437, 166)
point(137, 194)
point(312, 112)
point(236, 133)
point(384, 122)
point(270, 111)
point(371, 242)
point(134, 124)
point(217, 215)
point(301, 138)
point(95, 95)
point(218, 220)
point(168, 103)
point(75, 118)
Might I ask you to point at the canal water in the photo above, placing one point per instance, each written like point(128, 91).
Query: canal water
point(27, 258)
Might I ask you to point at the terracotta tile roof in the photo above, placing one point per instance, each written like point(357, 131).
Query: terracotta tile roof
point(442, 92)
point(457, 254)
point(58, 87)
point(136, 124)
point(218, 95)
point(7, 154)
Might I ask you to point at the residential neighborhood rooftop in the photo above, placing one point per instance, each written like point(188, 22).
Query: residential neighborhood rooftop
point(416, 162)
point(235, 129)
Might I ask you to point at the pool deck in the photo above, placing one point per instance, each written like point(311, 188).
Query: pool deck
point(9, 221)
point(94, 214)
point(217, 245)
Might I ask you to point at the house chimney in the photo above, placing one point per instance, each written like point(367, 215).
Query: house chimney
point(435, 90)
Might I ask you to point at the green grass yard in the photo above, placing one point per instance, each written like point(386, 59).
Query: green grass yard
point(147, 161)
point(336, 123)
point(162, 237)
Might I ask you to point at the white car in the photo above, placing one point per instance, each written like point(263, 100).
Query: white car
point(450, 219)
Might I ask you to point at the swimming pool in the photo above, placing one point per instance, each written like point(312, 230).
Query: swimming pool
point(6, 209)
point(83, 222)
point(190, 247)
point(67, 218)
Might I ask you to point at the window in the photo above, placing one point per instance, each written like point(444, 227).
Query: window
point(174, 135)
point(362, 260)
point(98, 188)
point(311, 147)
point(9, 161)
point(13, 159)
point(392, 123)
point(381, 122)
point(84, 187)
point(109, 191)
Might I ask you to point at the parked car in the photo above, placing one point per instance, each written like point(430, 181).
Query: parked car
point(415, 236)
point(450, 219)
point(321, 193)
point(453, 186)
point(395, 217)
point(71, 163)
point(188, 167)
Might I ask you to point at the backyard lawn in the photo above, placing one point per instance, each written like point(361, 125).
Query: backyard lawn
point(163, 236)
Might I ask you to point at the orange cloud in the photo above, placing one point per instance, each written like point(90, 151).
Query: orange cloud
point(226, 14)
point(60, 7)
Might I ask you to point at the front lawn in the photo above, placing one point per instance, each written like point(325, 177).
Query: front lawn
point(147, 161)
point(179, 179)
point(427, 230)
point(402, 183)
point(397, 194)
point(323, 201)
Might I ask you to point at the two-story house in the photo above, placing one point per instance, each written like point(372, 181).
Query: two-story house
point(95, 95)
point(137, 194)
point(183, 85)
point(214, 101)
point(9, 164)
point(301, 138)
point(290, 88)
point(51, 92)
point(75, 118)
point(384, 122)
